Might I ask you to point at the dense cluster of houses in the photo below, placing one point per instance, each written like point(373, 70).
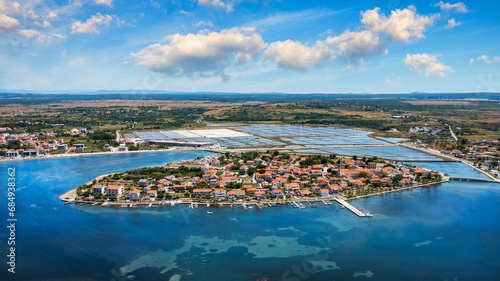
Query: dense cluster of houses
point(38, 143)
point(480, 150)
point(279, 179)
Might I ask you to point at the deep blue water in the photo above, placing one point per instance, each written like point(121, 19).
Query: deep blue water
point(446, 232)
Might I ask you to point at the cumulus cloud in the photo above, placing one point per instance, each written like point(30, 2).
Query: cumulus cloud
point(404, 25)
point(353, 44)
point(428, 64)
point(91, 25)
point(227, 6)
point(401, 26)
point(108, 3)
point(452, 23)
point(28, 33)
point(203, 54)
point(8, 24)
point(487, 59)
point(295, 55)
point(376, 32)
point(457, 7)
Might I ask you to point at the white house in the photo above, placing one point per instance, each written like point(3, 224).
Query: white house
point(12, 154)
point(122, 147)
point(115, 190)
point(152, 194)
point(324, 193)
point(62, 146)
point(220, 194)
point(101, 189)
point(133, 194)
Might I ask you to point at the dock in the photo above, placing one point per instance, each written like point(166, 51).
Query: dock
point(258, 205)
point(326, 203)
point(298, 206)
point(310, 204)
point(352, 208)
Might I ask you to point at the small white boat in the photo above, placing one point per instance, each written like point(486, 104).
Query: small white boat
point(210, 213)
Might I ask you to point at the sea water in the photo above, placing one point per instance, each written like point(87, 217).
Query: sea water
point(445, 232)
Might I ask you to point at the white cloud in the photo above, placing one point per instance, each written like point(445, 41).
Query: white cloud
point(28, 33)
point(457, 7)
point(428, 64)
point(91, 25)
point(204, 54)
point(217, 4)
point(452, 23)
point(295, 55)
point(204, 24)
point(401, 26)
point(189, 14)
point(356, 44)
point(31, 34)
point(108, 3)
point(8, 24)
point(471, 61)
point(51, 16)
point(487, 59)
point(3, 7)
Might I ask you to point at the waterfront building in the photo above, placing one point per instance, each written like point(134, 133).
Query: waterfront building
point(133, 194)
point(220, 194)
point(98, 188)
point(115, 190)
point(324, 193)
point(12, 154)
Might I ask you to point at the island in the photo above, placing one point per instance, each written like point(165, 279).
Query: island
point(254, 178)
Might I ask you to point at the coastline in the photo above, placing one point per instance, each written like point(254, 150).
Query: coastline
point(58, 156)
point(221, 204)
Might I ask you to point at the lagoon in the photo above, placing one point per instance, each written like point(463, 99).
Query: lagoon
point(446, 232)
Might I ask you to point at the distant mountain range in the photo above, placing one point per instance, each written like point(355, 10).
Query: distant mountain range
point(223, 96)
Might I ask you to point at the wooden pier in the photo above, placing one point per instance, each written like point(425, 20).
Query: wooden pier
point(352, 208)
point(326, 202)
point(298, 206)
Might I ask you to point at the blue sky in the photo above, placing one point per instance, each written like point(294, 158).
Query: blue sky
point(250, 46)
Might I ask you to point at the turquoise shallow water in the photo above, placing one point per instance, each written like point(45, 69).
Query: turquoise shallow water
point(446, 232)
